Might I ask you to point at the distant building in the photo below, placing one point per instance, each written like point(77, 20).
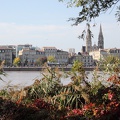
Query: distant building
point(86, 59)
point(62, 57)
point(6, 54)
point(88, 40)
point(72, 51)
point(100, 39)
point(20, 47)
point(29, 56)
point(77, 57)
point(113, 52)
point(50, 51)
point(98, 54)
point(89, 46)
point(102, 53)
point(83, 49)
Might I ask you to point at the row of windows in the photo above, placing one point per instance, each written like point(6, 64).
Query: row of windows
point(40, 53)
point(28, 57)
point(87, 57)
point(114, 51)
point(62, 53)
point(30, 61)
point(62, 57)
point(7, 59)
point(7, 55)
point(50, 50)
point(87, 61)
point(5, 51)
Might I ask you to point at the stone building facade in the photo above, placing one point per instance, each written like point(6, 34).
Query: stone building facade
point(6, 55)
point(102, 53)
point(89, 46)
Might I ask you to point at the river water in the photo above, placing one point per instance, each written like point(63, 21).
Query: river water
point(25, 78)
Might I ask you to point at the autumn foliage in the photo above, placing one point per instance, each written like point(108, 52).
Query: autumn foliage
point(81, 99)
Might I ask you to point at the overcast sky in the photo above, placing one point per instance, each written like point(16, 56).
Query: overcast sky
point(44, 23)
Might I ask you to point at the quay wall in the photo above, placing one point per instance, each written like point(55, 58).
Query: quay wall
point(40, 68)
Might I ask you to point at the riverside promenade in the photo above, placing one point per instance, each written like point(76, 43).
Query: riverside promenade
point(41, 68)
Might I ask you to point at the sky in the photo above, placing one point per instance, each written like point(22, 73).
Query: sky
point(45, 23)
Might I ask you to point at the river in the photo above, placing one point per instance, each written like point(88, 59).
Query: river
point(26, 78)
point(23, 78)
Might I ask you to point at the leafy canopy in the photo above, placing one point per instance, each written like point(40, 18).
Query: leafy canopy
point(91, 9)
point(17, 61)
point(51, 59)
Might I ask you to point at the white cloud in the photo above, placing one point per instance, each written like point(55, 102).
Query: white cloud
point(11, 33)
point(61, 36)
point(14, 28)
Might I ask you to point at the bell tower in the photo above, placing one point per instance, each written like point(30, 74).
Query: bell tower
point(88, 40)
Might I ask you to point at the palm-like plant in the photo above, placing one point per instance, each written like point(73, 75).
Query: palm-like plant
point(48, 86)
point(74, 95)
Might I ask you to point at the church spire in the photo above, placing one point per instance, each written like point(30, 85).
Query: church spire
point(100, 29)
point(100, 39)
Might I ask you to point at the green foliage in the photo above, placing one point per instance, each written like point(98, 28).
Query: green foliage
point(51, 59)
point(80, 99)
point(110, 64)
point(74, 95)
point(4, 93)
point(90, 9)
point(78, 67)
point(118, 14)
point(41, 61)
point(48, 86)
point(17, 61)
point(1, 69)
point(83, 35)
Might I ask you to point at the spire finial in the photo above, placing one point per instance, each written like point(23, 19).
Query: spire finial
point(100, 29)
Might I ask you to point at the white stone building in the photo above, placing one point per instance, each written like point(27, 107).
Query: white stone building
point(114, 52)
point(50, 51)
point(98, 54)
point(6, 54)
point(29, 56)
point(62, 57)
point(102, 53)
point(87, 60)
point(89, 46)
point(20, 47)
point(72, 51)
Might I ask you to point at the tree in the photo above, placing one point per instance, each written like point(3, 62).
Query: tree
point(92, 9)
point(17, 61)
point(26, 62)
point(118, 13)
point(51, 59)
point(41, 61)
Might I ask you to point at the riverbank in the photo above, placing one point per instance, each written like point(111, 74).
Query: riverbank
point(40, 68)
